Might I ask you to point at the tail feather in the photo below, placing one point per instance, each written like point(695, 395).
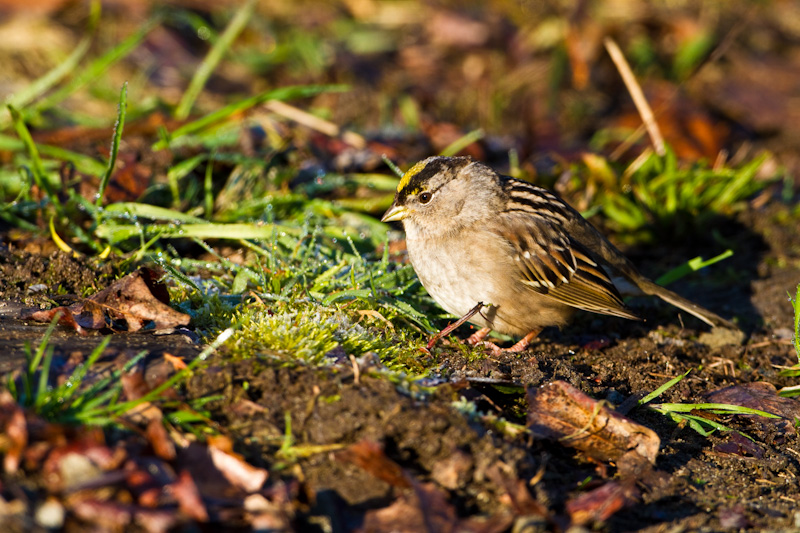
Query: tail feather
point(709, 317)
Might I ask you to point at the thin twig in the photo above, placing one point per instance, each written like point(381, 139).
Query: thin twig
point(315, 123)
point(450, 327)
point(713, 57)
point(644, 109)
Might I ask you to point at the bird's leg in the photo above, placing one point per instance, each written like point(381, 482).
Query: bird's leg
point(523, 343)
point(478, 339)
point(478, 336)
point(450, 327)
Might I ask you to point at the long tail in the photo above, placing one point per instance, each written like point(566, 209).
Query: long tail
point(710, 318)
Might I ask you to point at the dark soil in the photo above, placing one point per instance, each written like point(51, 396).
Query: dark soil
point(705, 489)
point(702, 485)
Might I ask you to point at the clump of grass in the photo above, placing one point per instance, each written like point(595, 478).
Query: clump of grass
point(794, 370)
point(659, 197)
point(306, 298)
point(73, 401)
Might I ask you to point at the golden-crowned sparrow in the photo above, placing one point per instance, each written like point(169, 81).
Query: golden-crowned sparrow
point(475, 236)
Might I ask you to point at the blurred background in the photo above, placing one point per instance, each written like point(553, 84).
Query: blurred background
point(721, 76)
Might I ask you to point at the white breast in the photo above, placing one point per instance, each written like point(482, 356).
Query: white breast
point(444, 275)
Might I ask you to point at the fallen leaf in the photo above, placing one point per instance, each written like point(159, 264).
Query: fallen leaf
point(188, 497)
point(106, 514)
point(601, 503)
point(145, 477)
point(65, 318)
point(16, 437)
point(134, 387)
point(517, 491)
point(764, 397)
point(133, 301)
point(369, 456)
point(176, 362)
point(423, 509)
point(759, 395)
point(239, 473)
point(155, 520)
point(559, 411)
point(158, 438)
point(739, 445)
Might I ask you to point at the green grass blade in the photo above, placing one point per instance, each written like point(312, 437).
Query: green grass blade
point(284, 93)
point(208, 190)
point(133, 210)
point(394, 168)
point(796, 306)
point(114, 233)
point(179, 171)
point(663, 388)
point(71, 387)
point(212, 59)
point(713, 407)
point(459, 144)
point(83, 163)
point(44, 377)
point(741, 185)
point(39, 176)
point(112, 160)
point(692, 265)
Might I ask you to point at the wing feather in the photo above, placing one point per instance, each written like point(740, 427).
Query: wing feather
point(550, 262)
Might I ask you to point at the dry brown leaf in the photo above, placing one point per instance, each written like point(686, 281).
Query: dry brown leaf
point(188, 496)
point(136, 300)
point(759, 395)
point(14, 438)
point(369, 456)
point(764, 397)
point(106, 514)
point(135, 387)
point(517, 492)
point(64, 314)
point(176, 362)
point(159, 439)
point(239, 473)
point(599, 504)
point(560, 411)
point(737, 445)
point(423, 510)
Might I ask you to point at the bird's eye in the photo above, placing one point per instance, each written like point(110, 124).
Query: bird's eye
point(425, 197)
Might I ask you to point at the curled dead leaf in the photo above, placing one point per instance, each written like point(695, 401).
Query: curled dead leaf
point(132, 301)
point(558, 410)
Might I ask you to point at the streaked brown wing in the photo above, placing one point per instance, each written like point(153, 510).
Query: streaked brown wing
point(552, 263)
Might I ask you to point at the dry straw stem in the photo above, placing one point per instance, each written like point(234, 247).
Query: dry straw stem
point(315, 123)
point(645, 111)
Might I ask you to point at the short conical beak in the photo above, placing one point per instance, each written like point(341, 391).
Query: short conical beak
point(395, 213)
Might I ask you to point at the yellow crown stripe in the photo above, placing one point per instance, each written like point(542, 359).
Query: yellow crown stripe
point(413, 171)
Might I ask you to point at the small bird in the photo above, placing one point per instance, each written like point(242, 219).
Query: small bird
point(475, 236)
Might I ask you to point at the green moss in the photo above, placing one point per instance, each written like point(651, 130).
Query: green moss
point(309, 332)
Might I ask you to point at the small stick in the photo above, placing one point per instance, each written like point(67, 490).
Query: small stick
point(450, 327)
point(644, 109)
point(315, 123)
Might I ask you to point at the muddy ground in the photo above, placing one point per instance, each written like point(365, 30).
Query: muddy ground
point(713, 483)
